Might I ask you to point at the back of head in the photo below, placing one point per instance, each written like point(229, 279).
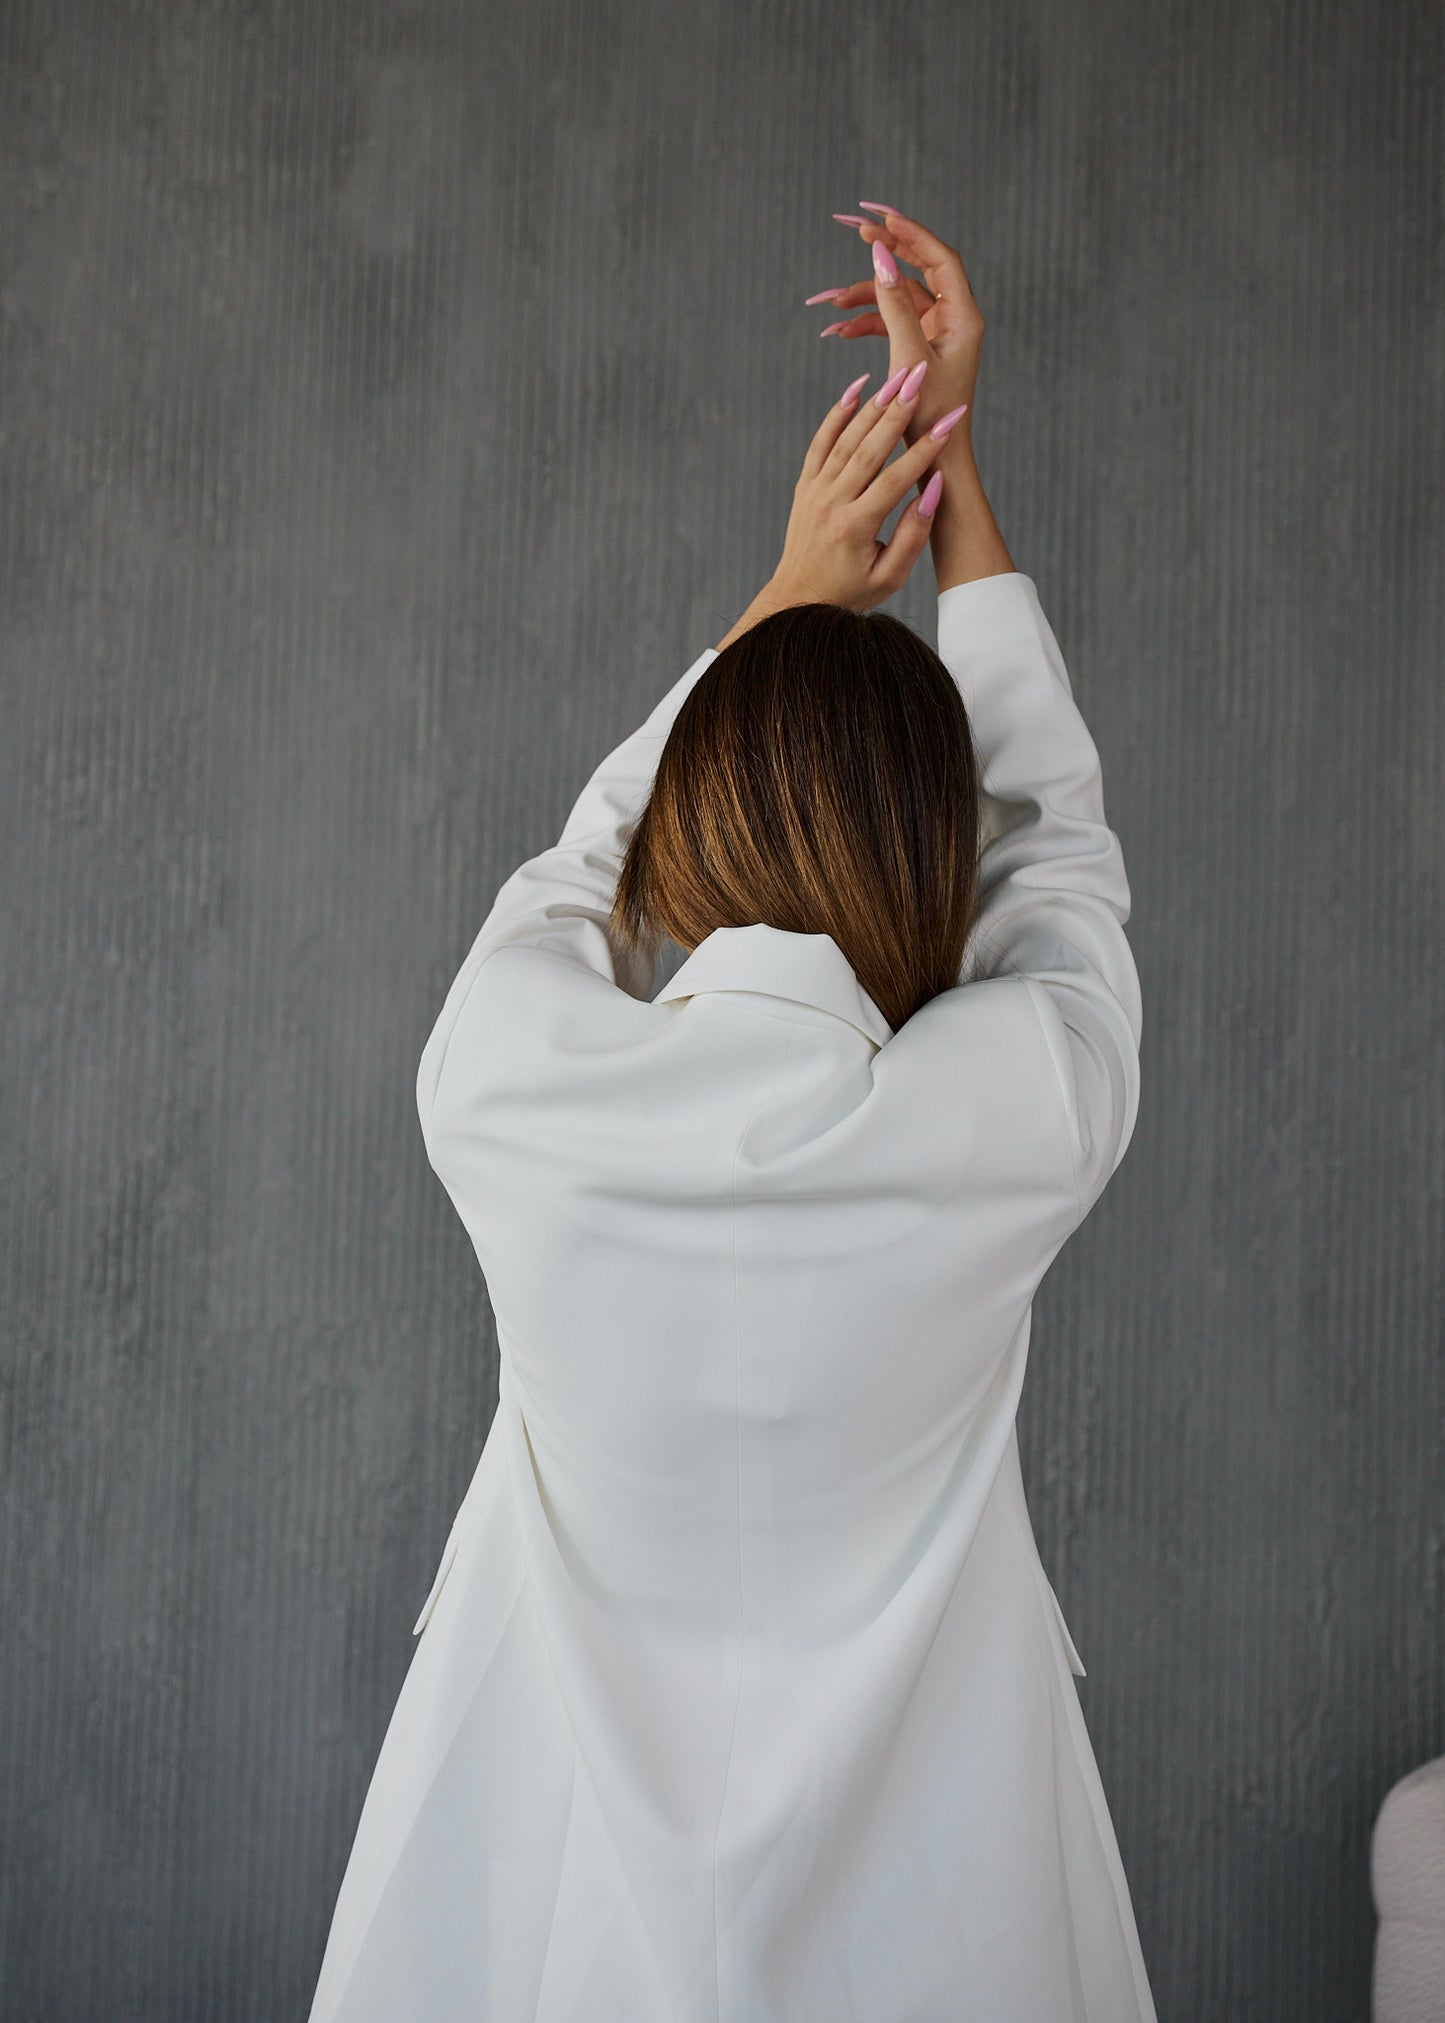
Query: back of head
point(820, 777)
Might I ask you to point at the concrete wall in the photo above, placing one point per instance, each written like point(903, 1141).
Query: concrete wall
point(395, 400)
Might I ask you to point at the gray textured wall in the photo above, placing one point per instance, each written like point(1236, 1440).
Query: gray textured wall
point(395, 400)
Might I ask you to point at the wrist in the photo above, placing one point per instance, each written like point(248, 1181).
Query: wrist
point(956, 459)
point(776, 594)
point(965, 542)
point(920, 424)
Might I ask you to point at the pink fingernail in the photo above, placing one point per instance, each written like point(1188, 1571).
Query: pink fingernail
point(851, 218)
point(827, 295)
point(946, 422)
point(884, 265)
point(889, 387)
point(932, 493)
point(850, 393)
point(832, 327)
point(909, 389)
point(892, 209)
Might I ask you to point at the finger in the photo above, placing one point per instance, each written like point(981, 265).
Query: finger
point(895, 480)
point(859, 292)
point(869, 230)
point(942, 264)
point(862, 423)
point(895, 306)
point(900, 252)
point(868, 441)
point(840, 415)
point(894, 558)
point(857, 326)
point(867, 225)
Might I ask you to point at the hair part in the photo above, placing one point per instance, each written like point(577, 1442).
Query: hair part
point(820, 777)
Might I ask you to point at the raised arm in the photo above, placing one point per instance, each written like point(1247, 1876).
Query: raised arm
point(1054, 897)
point(561, 899)
point(1053, 892)
point(936, 323)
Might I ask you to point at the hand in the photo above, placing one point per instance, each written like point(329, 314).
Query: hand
point(941, 322)
point(846, 490)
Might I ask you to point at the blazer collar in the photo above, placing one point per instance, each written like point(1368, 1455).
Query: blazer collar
point(807, 969)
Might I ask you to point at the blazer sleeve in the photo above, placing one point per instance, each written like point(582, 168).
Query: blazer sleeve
point(1054, 897)
point(560, 900)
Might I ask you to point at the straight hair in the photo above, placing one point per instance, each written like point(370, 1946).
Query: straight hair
point(821, 778)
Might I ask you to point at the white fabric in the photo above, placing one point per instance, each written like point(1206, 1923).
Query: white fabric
point(741, 1691)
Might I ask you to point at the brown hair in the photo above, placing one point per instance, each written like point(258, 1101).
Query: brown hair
point(820, 777)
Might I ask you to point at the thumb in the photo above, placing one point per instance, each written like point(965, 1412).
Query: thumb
point(906, 341)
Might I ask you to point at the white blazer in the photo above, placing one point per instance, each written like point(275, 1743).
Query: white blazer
point(741, 1693)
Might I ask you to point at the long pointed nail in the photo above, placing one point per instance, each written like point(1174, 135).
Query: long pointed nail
point(946, 422)
point(909, 389)
point(827, 295)
point(884, 265)
point(834, 327)
point(850, 394)
point(889, 387)
point(932, 493)
point(891, 209)
point(851, 218)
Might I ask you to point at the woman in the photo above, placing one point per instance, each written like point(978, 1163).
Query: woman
point(741, 1690)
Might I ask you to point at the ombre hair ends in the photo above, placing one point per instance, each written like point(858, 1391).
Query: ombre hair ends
point(820, 777)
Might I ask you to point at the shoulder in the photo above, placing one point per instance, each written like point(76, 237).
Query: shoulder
point(522, 999)
point(974, 1067)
